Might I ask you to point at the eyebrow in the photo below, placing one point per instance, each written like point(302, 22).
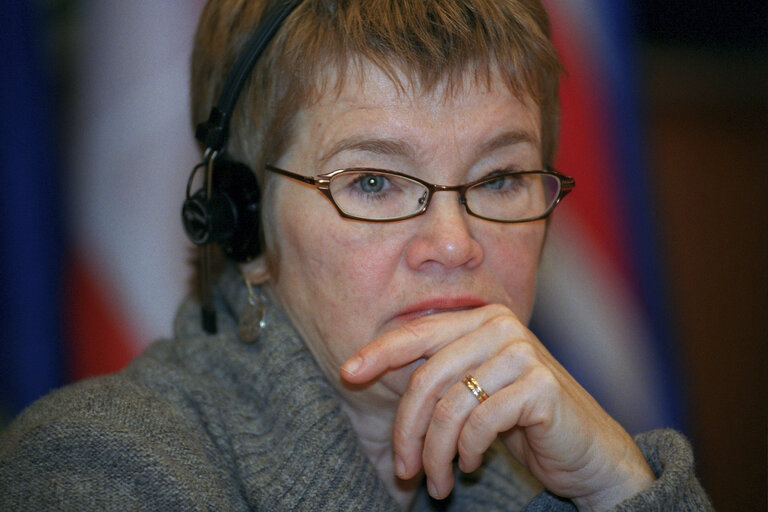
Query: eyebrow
point(397, 147)
point(510, 138)
point(389, 147)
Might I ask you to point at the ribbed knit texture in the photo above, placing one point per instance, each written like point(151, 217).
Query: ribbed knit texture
point(209, 423)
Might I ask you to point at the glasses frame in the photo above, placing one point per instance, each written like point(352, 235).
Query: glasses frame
point(322, 182)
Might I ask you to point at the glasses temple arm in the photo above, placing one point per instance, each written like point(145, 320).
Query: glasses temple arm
point(288, 174)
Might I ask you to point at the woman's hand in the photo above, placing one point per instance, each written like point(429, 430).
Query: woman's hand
point(543, 416)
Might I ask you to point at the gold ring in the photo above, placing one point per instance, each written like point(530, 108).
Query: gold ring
point(475, 388)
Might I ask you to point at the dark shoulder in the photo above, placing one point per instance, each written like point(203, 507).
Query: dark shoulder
point(108, 401)
point(106, 443)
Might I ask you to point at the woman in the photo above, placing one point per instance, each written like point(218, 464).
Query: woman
point(393, 341)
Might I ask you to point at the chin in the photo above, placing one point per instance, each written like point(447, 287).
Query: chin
point(397, 380)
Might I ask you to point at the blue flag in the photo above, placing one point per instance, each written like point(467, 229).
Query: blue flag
point(30, 215)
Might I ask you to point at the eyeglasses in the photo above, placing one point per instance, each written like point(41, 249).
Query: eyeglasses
point(377, 195)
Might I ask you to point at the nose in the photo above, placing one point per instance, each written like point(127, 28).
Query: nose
point(443, 238)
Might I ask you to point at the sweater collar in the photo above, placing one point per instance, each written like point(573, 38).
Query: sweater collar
point(292, 444)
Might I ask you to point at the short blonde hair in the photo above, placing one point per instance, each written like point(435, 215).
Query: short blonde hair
point(428, 42)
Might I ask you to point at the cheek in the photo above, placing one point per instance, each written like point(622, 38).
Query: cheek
point(340, 260)
point(514, 261)
point(331, 274)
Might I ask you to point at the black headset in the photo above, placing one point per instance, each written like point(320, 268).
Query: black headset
point(226, 210)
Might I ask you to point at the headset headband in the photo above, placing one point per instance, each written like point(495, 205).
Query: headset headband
point(214, 132)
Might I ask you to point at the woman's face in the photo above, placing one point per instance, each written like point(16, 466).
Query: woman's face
point(343, 283)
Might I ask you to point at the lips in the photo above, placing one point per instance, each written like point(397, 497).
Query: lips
point(437, 305)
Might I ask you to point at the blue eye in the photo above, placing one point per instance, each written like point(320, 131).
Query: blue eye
point(372, 184)
point(505, 183)
point(496, 184)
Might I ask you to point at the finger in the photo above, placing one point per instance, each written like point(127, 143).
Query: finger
point(459, 403)
point(483, 425)
point(442, 436)
point(425, 387)
point(519, 404)
point(420, 338)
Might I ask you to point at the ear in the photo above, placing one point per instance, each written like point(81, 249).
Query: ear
point(256, 271)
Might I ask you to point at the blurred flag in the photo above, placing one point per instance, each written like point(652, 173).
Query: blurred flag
point(601, 306)
point(121, 273)
point(132, 150)
point(30, 214)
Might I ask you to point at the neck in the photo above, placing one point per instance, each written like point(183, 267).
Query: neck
point(372, 422)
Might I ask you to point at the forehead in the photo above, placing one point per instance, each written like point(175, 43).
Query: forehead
point(372, 103)
point(364, 82)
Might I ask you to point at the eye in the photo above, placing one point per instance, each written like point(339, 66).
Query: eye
point(372, 183)
point(496, 184)
point(506, 182)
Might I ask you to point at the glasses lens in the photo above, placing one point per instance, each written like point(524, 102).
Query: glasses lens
point(514, 196)
point(377, 195)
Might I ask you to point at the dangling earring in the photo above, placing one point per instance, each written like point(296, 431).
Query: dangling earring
point(251, 317)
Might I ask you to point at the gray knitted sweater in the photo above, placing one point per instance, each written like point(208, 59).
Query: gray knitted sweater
point(205, 422)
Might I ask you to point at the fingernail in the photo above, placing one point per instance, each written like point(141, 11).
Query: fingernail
point(399, 466)
point(352, 365)
point(431, 488)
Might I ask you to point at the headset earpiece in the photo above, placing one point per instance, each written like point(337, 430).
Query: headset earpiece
point(229, 214)
point(226, 210)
